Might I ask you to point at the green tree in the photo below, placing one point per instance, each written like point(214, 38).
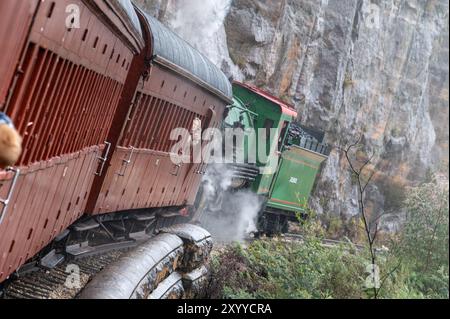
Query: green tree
point(424, 245)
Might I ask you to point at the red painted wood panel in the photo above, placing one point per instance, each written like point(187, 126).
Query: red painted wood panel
point(151, 180)
point(63, 103)
point(13, 33)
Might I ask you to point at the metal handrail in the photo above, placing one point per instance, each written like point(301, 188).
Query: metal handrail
point(5, 202)
point(126, 162)
point(104, 159)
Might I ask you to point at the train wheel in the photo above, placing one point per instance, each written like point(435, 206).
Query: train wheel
point(273, 224)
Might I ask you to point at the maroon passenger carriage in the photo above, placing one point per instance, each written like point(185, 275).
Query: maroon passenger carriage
point(95, 106)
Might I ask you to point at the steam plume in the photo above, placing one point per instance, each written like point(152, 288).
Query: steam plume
point(229, 215)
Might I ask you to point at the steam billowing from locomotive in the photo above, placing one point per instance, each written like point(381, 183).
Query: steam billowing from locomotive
point(230, 215)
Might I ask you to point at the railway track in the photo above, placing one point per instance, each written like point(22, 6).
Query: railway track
point(99, 273)
point(325, 242)
point(65, 281)
point(68, 277)
point(329, 243)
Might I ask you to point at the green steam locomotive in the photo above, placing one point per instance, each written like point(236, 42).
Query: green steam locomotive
point(277, 159)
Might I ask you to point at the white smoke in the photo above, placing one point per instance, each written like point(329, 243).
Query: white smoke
point(229, 215)
point(201, 23)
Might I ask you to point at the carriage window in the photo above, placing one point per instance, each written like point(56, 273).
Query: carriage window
point(268, 125)
point(282, 135)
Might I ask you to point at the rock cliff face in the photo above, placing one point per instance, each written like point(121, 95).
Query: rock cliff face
point(376, 68)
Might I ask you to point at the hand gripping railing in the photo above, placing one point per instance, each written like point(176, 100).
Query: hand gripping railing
point(5, 202)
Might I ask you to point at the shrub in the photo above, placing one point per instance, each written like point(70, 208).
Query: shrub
point(424, 241)
point(271, 269)
point(276, 269)
point(416, 265)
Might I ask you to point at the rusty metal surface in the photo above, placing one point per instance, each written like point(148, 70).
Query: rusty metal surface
point(150, 270)
point(195, 283)
point(188, 232)
point(196, 274)
point(198, 245)
point(136, 274)
point(171, 288)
